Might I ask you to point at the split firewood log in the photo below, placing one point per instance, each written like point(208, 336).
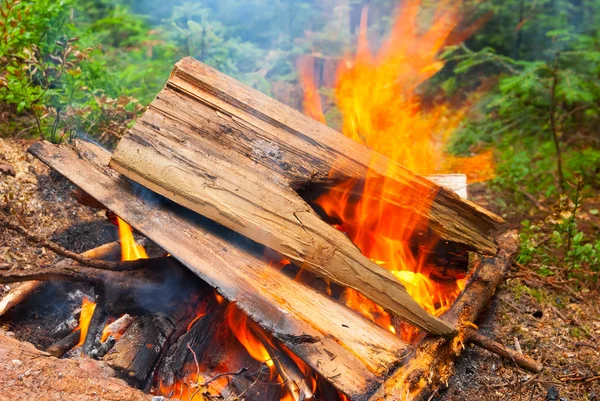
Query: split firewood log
point(237, 157)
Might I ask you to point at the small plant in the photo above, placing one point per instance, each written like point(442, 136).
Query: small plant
point(555, 246)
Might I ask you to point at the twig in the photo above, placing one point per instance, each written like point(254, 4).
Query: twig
point(532, 199)
point(82, 260)
point(239, 372)
point(520, 360)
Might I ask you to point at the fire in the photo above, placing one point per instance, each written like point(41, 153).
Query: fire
point(377, 95)
point(87, 310)
point(129, 249)
point(238, 323)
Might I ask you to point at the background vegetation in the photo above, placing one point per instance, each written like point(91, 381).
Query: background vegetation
point(88, 68)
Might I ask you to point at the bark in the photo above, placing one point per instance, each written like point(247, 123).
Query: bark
point(136, 353)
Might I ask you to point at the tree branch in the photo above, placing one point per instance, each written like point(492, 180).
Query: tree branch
point(82, 260)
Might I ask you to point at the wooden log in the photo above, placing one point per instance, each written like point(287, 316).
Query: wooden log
point(27, 373)
point(181, 162)
point(350, 352)
point(65, 344)
point(136, 353)
point(180, 356)
point(432, 363)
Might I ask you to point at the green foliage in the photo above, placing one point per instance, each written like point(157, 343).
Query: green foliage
point(537, 108)
point(555, 245)
point(49, 75)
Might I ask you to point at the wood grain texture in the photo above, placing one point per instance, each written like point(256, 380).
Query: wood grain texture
point(201, 158)
point(346, 349)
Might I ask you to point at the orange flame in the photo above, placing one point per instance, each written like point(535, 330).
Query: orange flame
point(378, 98)
point(87, 310)
point(238, 323)
point(129, 249)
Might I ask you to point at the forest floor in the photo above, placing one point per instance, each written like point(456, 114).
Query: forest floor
point(554, 325)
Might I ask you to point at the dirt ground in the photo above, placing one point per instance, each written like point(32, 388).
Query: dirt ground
point(548, 324)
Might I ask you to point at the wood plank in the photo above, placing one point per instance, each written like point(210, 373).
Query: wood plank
point(235, 116)
point(346, 349)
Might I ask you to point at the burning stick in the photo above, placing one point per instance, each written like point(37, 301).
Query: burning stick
point(96, 325)
point(66, 327)
point(292, 376)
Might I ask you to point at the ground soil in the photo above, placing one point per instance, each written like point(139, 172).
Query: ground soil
point(28, 374)
point(548, 324)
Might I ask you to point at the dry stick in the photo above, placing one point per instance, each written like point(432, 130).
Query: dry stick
point(95, 263)
point(519, 359)
point(18, 294)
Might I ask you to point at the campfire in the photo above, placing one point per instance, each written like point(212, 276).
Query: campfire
point(277, 259)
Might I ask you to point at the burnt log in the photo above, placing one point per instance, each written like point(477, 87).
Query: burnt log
point(136, 353)
point(182, 355)
point(65, 344)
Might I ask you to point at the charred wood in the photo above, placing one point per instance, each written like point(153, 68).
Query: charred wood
point(67, 326)
point(135, 355)
point(65, 344)
point(292, 376)
point(96, 326)
point(193, 344)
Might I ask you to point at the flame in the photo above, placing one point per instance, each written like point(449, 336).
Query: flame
point(87, 311)
point(378, 98)
point(129, 249)
point(238, 323)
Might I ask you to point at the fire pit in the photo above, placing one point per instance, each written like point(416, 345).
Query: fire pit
point(268, 276)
